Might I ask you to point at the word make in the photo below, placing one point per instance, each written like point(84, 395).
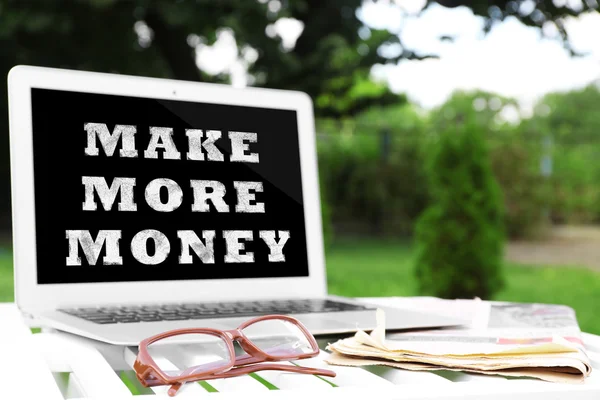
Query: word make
point(161, 138)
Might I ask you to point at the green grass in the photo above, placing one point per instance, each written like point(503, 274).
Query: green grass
point(385, 268)
point(6, 276)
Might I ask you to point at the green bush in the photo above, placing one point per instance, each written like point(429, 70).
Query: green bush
point(460, 235)
point(375, 182)
point(367, 193)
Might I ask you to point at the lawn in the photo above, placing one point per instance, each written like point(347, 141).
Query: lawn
point(6, 276)
point(385, 268)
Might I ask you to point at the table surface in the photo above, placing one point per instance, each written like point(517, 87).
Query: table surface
point(54, 365)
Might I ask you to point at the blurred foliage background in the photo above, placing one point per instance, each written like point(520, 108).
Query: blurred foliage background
point(544, 164)
point(375, 148)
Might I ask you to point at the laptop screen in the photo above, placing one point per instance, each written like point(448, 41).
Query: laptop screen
point(138, 189)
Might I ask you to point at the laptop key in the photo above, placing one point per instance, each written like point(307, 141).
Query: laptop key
point(123, 313)
point(96, 314)
point(189, 312)
point(235, 315)
point(104, 321)
point(167, 313)
point(150, 319)
point(174, 317)
point(200, 316)
point(146, 313)
point(119, 317)
point(109, 309)
point(244, 309)
point(128, 320)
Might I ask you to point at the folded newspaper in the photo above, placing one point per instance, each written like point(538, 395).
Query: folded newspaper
point(512, 339)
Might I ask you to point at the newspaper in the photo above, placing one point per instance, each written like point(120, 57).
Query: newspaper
point(512, 339)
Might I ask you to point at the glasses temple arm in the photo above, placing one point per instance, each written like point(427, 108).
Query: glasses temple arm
point(256, 368)
point(272, 367)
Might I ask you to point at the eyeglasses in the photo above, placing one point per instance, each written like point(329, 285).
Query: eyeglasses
point(185, 355)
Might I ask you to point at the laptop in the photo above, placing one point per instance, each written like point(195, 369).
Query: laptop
point(142, 205)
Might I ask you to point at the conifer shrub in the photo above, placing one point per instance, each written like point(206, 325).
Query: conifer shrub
point(460, 235)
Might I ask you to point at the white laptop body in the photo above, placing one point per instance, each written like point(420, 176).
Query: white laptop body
point(133, 196)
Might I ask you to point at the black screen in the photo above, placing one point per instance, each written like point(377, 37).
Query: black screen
point(85, 234)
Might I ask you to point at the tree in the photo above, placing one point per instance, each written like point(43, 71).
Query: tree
point(330, 60)
point(571, 118)
point(484, 108)
point(158, 39)
point(566, 126)
point(460, 235)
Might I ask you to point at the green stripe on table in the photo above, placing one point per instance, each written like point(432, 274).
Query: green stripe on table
point(262, 380)
point(323, 379)
point(133, 384)
point(207, 386)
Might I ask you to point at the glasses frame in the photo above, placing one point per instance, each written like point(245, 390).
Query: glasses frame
point(150, 374)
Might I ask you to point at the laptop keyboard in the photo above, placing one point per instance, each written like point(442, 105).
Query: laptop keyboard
point(177, 312)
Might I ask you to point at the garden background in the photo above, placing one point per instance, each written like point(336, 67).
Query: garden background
point(378, 149)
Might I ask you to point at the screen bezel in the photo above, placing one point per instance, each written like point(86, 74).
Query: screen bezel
point(31, 295)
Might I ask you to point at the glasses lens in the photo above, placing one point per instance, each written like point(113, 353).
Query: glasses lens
point(278, 338)
point(190, 354)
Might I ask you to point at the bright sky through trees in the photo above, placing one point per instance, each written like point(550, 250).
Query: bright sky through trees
point(512, 59)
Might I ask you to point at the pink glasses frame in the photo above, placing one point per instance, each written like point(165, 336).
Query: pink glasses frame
point(149, 374)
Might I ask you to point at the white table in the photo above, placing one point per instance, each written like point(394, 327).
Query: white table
point(53, 365)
